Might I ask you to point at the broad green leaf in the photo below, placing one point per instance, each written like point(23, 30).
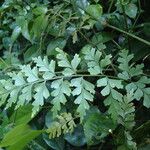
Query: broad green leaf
point(31, 53)
point(6, 41)
point(131, 10)
point(95, 11)
point(97, 127)
point(53, 44)
point(102, 37)
point(18, 137)
point(39, 25)
point(80, 3)
point(15, 34)
point(77, 138)
point(40, 10)
point(23, 23)
point(22, 115)
point(56, 143)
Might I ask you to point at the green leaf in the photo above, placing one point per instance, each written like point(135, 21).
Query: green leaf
point(127, 112)
point(75, 62)
point(106, 61)
point(23, 23)
point(109, 85)
point(17, 78)
point(97, 127)
point(94, 61)
point(13, 97)
point(80, 3)
point(64, 124)
point(15, 34)
point(84, 91)
point(77, 138)
point(46, 67)
point(39, 25)
point(22, 115)
point(131, 10)
point(25, 96)
point(41, 93)
point(40, 10)
point(128, 69)
point(146, 101)
point(3, 64)
point(114, 107)
point(62, 57)
point(125, 141)
point(98, 41)
point(140, 90)
point(4, 91)
point(70, 68)
point(56, 143)
point(31, 53)
point(124, 60)
point(95, 11)
point(61, 88)
point(31, 74)
point(53, 44)
point(122, 111)
point(19, 136)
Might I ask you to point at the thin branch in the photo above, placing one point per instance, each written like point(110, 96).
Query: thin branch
point(129, 34)
point(111, 4)
point(118, 29)
point(126, 22)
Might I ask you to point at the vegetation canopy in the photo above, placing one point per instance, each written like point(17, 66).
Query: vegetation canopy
point(74, 75)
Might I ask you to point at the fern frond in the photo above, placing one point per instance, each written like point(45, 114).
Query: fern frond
point(64, 124)
point(94, 61)
point(84, 91)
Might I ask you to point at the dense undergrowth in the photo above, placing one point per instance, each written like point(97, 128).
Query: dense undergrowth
point(74, 74)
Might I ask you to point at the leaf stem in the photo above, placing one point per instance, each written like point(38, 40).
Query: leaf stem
point(111, 4)
point(126, 22)
point(129, 34)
